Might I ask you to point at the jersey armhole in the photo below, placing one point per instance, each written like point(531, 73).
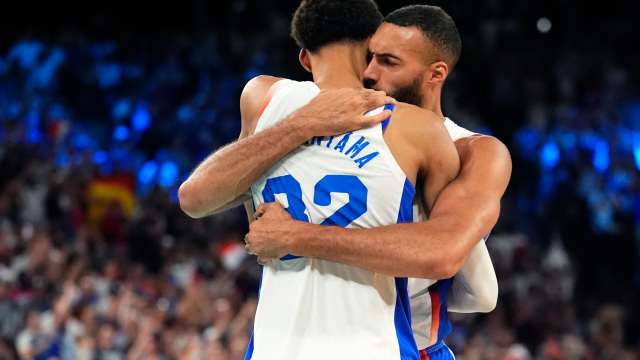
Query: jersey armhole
point(267, 99)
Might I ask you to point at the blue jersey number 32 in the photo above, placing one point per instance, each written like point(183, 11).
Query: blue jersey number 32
point(346, 184)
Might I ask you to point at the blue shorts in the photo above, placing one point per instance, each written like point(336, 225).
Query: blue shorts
point(439, 351)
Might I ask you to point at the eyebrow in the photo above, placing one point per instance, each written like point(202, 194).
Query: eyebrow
point(385, 55)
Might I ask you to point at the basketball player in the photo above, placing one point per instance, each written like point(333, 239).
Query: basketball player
point(326, 122)
point(412, 54)
point(317, 309)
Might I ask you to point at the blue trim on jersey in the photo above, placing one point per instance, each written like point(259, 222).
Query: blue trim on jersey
point(402, 315)
point(442, 287)
point(249, 353)
point(402, 319)
point(405, 214)
point(385, 123)
point(440, 351)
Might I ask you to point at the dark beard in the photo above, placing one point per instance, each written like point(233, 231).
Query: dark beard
point(410, 94)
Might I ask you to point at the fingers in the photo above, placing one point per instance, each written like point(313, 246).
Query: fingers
point(264, 260)
point(264, 208)
point(376, 99)
point(247, 248)
point(260, 211)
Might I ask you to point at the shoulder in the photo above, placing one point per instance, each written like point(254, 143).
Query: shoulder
point(418, 125)
point(260, 83)
point(418, 115)
point(488, 155)
point(256, 89)
point(424, 132)
point(485, 146)
point(252, 99)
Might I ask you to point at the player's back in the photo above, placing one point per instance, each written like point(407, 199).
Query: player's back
point(317, 309)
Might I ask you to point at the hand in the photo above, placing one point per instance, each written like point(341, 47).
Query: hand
point(271, 234)
point(335, 112)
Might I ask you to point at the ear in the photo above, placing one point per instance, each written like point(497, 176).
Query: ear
point(438, 72)
point(304, 59)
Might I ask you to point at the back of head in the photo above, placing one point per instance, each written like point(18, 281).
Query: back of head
point(317, 23)
point(437, 26)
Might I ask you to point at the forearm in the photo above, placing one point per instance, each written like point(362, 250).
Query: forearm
point(423, 250)
point(229, 172)
point(475, 287)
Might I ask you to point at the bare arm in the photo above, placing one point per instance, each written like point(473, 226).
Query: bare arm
point(222, 179)
point(465, 211)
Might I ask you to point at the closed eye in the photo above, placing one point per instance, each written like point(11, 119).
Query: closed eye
point(387, 60)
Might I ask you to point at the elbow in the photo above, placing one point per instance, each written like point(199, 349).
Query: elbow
point(487, 303)
point(446, 267)
point(488, 298)
point(452, 259)
point(188, 201)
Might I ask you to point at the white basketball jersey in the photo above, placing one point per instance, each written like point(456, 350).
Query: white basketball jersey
point(314, 309)
point(428, 298)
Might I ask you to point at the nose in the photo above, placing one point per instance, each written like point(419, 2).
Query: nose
point(370, 74)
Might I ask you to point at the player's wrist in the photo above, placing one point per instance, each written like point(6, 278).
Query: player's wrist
point(299, 128)
point(296, 240)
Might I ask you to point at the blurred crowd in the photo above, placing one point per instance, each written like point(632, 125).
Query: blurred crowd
point(98, 262)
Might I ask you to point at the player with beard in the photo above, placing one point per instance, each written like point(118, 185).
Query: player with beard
point(441, 249)
point(412, 54)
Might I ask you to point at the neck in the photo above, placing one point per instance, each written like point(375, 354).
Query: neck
point(338, 66)
point(432, 101)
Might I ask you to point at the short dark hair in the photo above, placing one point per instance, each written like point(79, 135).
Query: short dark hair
point(317, 23)
point(435, 24)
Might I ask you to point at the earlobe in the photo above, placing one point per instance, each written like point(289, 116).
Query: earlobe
point(303, 57)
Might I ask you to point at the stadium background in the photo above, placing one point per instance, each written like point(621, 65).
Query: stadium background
point(106, 106)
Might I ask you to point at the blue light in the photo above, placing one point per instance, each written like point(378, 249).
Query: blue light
point(121, 133)
point(44, 74)
point(34, 136)
point(636, 155)
point(550, 155)
point(168, 174)
point(251, 73)
point(634, 114)
point(33, 119)
point(185, 113)
point(62, 159)
point(527, 140)
point(13, 109)
point(601, 157)
point(121, 109)
point(589, 141)
point(57, 111)
point(148, 172)
point(100, 157)
point(26, 53)
point(101, 50)
point(108, 75)
point(483, 130)
point(141, 118)
point(81, 141)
